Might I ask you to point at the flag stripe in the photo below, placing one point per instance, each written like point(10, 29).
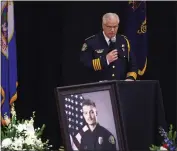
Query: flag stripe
point(14, 97)
point(2, 95)
point(73, 144)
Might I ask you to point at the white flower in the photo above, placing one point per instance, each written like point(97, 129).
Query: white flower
point(39, 143)
point(13, 112)
point(162, 148)
point(31, 121)
point(25, 137)
point(6, 143)
point(21, 127)
point(18, 143)
point(29, 140)
point(30, 129)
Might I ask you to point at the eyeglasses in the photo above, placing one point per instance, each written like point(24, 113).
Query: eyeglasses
point(110, 27)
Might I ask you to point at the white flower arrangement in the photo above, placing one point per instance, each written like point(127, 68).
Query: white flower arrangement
point(21, 135)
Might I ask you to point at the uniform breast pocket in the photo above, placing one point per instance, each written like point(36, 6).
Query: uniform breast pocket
point(98, 53)
point(122, 53)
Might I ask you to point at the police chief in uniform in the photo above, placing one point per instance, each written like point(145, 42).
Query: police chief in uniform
point(96, 137)
point(109, 54)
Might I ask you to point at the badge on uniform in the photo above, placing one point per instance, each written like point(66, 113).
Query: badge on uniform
point(111, 140)
point(99, 50)
point(100, 140)
point(123, 47)
point(84, 47)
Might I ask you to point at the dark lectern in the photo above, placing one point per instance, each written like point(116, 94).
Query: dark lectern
point(131, 110)
point(143, 112)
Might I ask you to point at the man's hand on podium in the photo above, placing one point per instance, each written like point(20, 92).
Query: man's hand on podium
point(103, 81)
point(120, 80)
point(61, 148)
point(129, 80)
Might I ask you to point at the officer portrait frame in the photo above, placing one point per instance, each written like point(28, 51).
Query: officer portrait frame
point(111, 86)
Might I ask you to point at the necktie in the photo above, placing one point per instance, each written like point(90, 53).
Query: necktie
point(111, 45)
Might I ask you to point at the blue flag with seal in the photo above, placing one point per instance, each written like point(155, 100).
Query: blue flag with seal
point(8, 60)
point(136, 32)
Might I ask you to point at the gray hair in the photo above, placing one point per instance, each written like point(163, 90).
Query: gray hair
point(109, 15)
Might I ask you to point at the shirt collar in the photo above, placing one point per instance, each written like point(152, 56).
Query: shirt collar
point(106, 38)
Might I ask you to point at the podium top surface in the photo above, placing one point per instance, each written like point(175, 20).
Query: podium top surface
point(110, 82)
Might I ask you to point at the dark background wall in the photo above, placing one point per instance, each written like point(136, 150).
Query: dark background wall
point(49, 38)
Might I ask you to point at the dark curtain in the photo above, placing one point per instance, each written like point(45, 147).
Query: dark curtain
point(49, 39)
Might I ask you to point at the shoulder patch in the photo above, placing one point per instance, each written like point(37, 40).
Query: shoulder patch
point(84, 47)
point(90, 37)
point(111, 139)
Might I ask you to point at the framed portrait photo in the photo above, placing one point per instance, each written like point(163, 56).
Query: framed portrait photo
point(90, 117)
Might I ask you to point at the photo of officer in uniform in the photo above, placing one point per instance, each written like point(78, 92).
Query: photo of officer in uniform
point(96, 137)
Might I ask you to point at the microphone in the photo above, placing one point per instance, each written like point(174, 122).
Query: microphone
point(113, 39)
point(113, 46)
point(113, 43)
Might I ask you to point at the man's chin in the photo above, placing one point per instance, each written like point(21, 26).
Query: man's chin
point(111, 35)
point(91, 124)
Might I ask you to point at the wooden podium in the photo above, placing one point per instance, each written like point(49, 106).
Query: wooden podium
point(131, 110)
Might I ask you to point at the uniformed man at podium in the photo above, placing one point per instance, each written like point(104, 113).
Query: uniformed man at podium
point(109, 54)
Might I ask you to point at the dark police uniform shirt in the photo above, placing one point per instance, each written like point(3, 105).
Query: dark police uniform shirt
point(93, 55)
point(99, 139)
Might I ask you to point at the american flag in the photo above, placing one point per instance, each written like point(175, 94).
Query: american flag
point(76, 123)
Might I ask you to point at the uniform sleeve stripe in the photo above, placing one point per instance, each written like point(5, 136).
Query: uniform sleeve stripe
point(93, 62)
point(97, 67)
point(133, 74)
point(99, 64)
point(96, 64)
